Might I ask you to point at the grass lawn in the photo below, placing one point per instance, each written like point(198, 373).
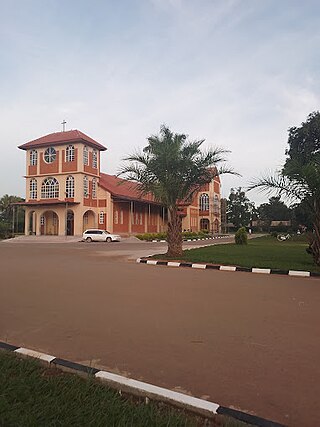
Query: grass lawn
point(32, 395)
point(264, 252)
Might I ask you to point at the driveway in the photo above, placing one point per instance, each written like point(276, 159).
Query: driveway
point(239, 339)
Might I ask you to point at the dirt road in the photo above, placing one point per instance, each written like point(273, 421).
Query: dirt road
point(239, 339)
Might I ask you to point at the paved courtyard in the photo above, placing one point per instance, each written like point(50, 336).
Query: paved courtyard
point(240, 339)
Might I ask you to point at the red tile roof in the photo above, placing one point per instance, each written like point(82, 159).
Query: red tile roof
point(59, 138)
point(124, 189)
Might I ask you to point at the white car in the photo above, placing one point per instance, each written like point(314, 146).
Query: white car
point(96, 235)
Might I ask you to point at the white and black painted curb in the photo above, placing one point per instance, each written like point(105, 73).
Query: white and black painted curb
point(296, 273)
point(192, 240)
point(138, 388)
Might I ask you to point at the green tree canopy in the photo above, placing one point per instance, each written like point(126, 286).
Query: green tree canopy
point(173, 169)
point(239, 208)
point(299, 180)
point(274, 210)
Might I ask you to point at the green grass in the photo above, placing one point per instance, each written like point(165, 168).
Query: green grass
point(263, 252)
point(32, 395)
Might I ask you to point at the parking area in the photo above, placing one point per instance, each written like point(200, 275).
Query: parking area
point(243, 340)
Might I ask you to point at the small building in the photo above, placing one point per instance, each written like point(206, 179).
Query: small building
point(66, 193)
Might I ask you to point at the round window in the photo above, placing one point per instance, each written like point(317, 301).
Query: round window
point(50, 155)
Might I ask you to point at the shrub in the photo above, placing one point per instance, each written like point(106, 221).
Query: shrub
point(241, 237)
point(5, 230)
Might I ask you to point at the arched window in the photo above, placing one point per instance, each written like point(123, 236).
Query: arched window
point(70, 186)
point(85, 156)
point(33, 188)
point(33, 157)
point(94, 159)
point(204, 202)
point(50, 188)
point(94, 188)
point(85, 186)
point(216, 205)
point(70, 153)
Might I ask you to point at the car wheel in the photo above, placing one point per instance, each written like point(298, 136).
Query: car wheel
point(88, 240)
point(108, 239)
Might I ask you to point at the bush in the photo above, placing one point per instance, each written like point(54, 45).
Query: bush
point(5, 230)
point(241, 237)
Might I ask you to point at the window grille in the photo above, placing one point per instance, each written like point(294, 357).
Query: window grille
point(70, 187)
point(33, 189)
point(94, 159)
point(85, 186)
point(94, 188)
point(50, 155)
point(101, 217)
point(204, 202)
point(85, 156)
point(70, 153)
point(33, 157)
point(50, 188)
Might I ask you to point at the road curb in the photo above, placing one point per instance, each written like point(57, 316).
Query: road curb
point(296, 273)
point(191, 240)
point(138, 388)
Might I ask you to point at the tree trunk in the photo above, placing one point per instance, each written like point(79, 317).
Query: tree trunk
point(314, 237)
point(174, 235)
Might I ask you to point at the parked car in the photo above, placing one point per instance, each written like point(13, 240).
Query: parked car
point(95, 235)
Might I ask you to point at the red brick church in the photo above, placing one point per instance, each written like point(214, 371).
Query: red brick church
point(66, 193)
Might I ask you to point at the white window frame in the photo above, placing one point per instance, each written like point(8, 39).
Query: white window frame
point(85, 156)
point(50, 155)
point(33, 157)
point(50, 188)
point(70, 153)
point(95, 159)
point(116, 217)
point(101, 217)
point(85, 187)
point(33, 188)
point(94, 188)
point(121, 216)
point(204, 202)
point(70, 187)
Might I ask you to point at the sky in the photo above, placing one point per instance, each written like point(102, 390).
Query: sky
point(237, 73)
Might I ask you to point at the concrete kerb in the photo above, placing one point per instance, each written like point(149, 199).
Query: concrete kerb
point(294, 273)
point(197, 406)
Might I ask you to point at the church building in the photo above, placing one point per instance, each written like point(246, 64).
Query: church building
point(66, 193)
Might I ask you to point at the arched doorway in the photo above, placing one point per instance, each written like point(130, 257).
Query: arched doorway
point(70, 223)
point(216, 226)
point(49, 224)
point(204, 224)
point(32, 223)
point(88, 220)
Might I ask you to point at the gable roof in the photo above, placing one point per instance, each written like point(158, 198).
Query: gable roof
point(124, 189)
point(59, 138)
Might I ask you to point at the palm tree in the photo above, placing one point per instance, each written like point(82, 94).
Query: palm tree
point(303, 185)
point(173, 169)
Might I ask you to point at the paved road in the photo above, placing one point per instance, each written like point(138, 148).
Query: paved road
point(239, 339)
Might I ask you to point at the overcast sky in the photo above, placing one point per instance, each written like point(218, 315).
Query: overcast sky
point(237, 73)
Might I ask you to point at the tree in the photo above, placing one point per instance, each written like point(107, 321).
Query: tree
point(274, 210)
point(10, 215)
point(299, 180)
point(239, 208)
point(173, 169)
